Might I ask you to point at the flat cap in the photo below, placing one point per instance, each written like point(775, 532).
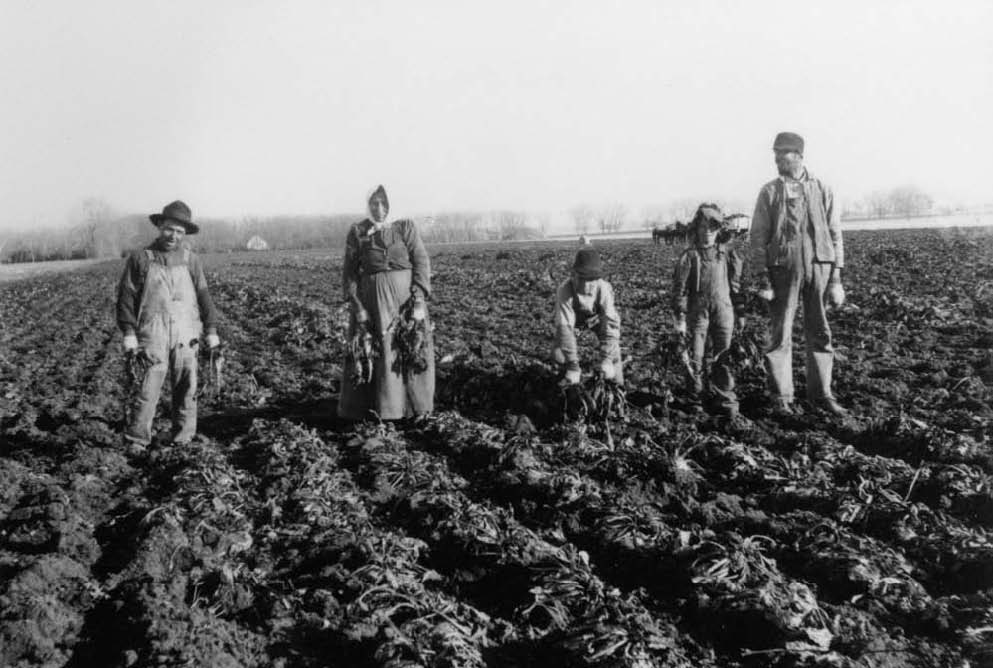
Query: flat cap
point(788, 141)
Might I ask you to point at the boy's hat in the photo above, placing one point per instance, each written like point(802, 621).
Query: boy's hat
point(588, 264)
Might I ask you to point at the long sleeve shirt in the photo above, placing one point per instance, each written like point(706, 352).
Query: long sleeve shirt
point(710, 275)
point(391, 248)
point(132, 285)
point(580, 310)
point(795, 224)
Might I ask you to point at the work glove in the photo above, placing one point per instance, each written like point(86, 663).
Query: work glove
point(608, 369)
point(679, 324)
point(213, 340)
point(836, 293)
point(130, 343)
point(420, 311)
point(573, 376)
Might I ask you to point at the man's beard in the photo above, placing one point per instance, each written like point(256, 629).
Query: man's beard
point(790, 169)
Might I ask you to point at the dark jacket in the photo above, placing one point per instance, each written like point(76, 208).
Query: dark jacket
point(396, 247)
point(132, 284)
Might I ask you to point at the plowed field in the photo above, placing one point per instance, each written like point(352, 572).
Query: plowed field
point(493, 532)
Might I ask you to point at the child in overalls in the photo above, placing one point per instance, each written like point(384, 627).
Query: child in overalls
point(162, 307)
point(586, 299)
point(705, 287)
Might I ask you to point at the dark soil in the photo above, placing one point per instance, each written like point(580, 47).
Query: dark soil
point(494, 532)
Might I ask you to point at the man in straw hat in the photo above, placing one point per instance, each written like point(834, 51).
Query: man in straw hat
point(586, 299)
point(163, 305)
point(796, 246)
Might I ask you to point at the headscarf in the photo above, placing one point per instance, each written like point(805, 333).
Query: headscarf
point(378, 190)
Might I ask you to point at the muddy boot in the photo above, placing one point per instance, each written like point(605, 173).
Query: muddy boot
point(133, 448)
point(738, 423)
point(830, 406)
point(695, 399)
point(781, 408)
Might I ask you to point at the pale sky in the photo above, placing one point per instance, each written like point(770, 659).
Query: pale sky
point(270, 107)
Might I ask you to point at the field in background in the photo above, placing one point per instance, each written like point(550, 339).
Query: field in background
point(949, 223)
point(493, 533)
point(13, 272)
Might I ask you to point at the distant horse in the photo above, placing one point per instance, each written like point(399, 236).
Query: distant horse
point(671, 233)
point(737, 225)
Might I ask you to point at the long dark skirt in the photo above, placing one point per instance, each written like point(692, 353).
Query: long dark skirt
point(389, 396)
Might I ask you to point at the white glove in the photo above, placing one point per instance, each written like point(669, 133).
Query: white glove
point(572, 376)
point(213, 340)
point(361, 316)
point(419, 312)
point(765, 294)
point(130, 343)
point(608, 369)
point(679, 324)
point(836, 293)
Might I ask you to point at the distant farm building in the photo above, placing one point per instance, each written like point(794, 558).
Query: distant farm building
point(738, 223)
point(257, 243)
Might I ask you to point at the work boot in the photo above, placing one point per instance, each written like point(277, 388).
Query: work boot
point(736, 422)
point(133, 448)
point(831, 406)
point(782, 408)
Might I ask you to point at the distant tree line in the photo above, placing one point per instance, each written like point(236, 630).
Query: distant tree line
point(607, 218)
point(97, 231)
point(902, 202)
point(461, 226)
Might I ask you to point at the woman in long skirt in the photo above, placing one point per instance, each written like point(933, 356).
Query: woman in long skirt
point(386, 265)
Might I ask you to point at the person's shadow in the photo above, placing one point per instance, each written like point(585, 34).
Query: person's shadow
point(227, 424)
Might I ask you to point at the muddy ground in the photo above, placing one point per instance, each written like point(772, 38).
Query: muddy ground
point(494, 533)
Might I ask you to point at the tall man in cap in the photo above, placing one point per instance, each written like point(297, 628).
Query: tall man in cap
point(586, 300)
point(797, 248)
point(163, 305)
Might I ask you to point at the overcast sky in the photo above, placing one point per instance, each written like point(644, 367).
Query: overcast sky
point(268, 107)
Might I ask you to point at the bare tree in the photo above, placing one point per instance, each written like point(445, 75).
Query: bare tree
point(93, 229)
point(510, 224)
point(582, 217)
point(653, 216)
point(910, 201)
point(877, 204)
point(542, 221)
point(611, 217)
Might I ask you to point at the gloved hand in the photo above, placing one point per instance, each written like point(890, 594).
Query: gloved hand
point(573, 376)
point(130, 343)
point(679, 324)
point(836, 293)
point(608, 369)
point(361, 315)
point(739, 322)
point(420, 311)
point(213, 340)
point(764, 288)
